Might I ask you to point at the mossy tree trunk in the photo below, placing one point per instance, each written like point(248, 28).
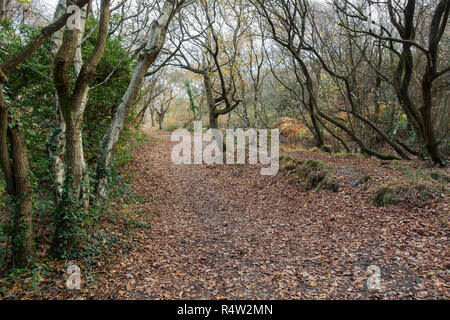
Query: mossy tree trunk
point(23, 219)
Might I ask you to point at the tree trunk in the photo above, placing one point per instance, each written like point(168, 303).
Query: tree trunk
point(16, 172)
point(319, 137)
point(57, 143)
point(213, 116)
point(312, 104)
point(146, 57)
point(65, 235)
point(4, 154)
point(2, 10)
point(23, 222)
point(23, 246)
point(74, 159)
point(73, 101)
point(437, 28)
point(213, 120)
point(428, 129)
point(401, 86)
point(404, 72)
point(78, 64)
point(152, 114)
point(361, 144)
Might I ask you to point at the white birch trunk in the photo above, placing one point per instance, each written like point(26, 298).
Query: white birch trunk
point(78, 63)
point(145, 58)
point(58, 142)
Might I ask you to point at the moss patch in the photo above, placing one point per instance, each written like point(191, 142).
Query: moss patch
point(327, 148)
point(411, 192)
point(361, 180)
point(289, 163)
point(439, 176)
point(317, 174)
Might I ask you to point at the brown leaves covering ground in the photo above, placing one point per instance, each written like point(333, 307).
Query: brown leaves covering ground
point(228, 232)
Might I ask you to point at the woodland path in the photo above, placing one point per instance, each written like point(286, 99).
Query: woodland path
point(228, 232)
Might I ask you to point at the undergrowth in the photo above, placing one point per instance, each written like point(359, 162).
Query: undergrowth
point(110, 234)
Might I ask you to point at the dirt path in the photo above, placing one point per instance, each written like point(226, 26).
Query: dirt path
point(228, 232)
